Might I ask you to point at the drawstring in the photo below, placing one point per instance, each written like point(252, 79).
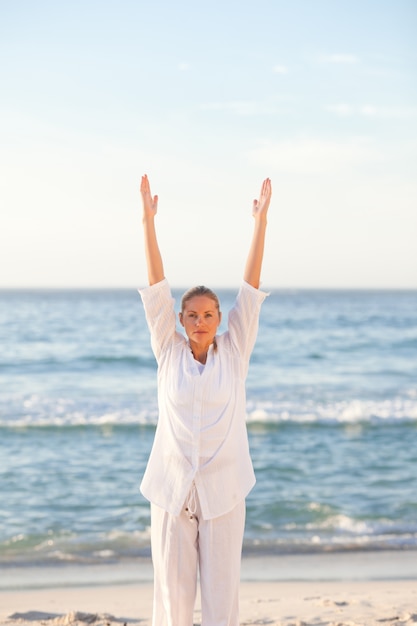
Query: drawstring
point(191, 503)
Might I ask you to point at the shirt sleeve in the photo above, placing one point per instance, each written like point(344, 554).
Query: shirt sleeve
point(160, 315)
point(244, 319)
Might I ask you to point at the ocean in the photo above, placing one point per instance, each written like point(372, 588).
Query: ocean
point(332, 422)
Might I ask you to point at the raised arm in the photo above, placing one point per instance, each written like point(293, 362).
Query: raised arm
point(153, 255)
point(253, 267)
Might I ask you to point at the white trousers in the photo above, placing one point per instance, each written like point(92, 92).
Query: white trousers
point(185, 544)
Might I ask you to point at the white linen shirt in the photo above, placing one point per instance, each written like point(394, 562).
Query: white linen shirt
point(201, 433)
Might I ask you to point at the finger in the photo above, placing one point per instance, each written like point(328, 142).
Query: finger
point(144, 187)
point(146, 181)
point(267, 187)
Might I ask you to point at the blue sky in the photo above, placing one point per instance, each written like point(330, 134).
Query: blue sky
point(208, 99)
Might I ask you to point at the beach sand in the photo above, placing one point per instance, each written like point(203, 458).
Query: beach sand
point(349, 599)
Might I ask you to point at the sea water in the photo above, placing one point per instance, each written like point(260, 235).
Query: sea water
point(331, 412)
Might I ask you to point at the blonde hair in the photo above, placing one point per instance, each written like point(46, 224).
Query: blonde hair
point(200, 290)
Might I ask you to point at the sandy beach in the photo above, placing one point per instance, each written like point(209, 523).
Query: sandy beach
point(296, 594)
point(377, 603)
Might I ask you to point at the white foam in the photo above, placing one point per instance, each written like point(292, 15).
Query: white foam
point(343, 411)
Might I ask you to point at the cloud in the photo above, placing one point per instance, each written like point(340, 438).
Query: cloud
point(280, 69)
point(314, 156)
point(339, 58)
point(343, 109)
point(369, 110)
point(184, 67)
point(241, 107)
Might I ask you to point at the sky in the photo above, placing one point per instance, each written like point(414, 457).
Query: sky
point(208, 99)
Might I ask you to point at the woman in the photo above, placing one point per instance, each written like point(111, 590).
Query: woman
point(199, 471)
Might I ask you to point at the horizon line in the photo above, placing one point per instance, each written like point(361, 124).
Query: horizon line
point(223, 287)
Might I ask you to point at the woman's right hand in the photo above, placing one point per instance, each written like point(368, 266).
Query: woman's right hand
point(150, 205)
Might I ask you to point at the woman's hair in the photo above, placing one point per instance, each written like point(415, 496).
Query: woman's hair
point(200, 290)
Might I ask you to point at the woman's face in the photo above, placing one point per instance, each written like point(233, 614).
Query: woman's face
point(200, 319)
